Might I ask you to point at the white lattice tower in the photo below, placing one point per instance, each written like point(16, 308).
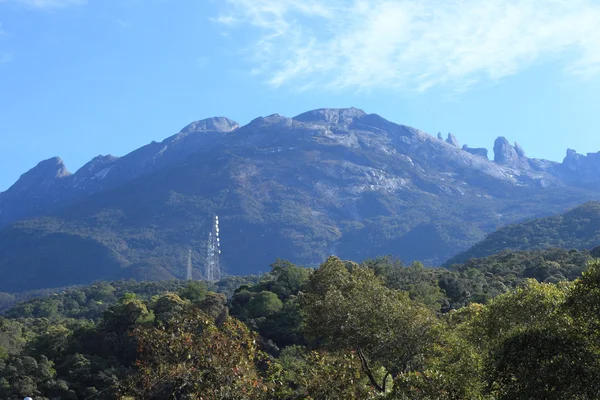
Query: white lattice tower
point(212, 267)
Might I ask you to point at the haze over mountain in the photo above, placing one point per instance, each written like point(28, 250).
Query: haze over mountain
point(329, 181)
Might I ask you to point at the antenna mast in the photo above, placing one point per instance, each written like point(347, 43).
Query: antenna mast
point(212, 267)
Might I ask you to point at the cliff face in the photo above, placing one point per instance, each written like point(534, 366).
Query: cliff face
point(582, 168)
point(481, 152)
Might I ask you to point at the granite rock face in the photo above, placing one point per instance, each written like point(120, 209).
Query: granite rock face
point(520, 151)
point(45, 174)
point(216, 124)
point(331, 115)
point(582, 168)
point(50, 186)
point(452, 140)
point(505, 154)
point(481, 152)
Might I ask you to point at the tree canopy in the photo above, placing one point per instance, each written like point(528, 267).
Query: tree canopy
point(485, 330)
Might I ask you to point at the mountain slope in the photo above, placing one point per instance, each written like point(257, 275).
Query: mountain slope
point(50, 187)
point(330, 181)
point(576, 229)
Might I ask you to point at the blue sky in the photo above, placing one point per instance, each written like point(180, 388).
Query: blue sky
point(79, 78)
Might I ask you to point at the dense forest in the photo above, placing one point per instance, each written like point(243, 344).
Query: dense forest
point(578, 228)
point(517, 325)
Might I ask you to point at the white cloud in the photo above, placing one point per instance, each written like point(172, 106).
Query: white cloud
point(414, 44)
point(47, 4)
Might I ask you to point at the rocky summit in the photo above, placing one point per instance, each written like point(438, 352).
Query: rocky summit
point(328, 181)
point(582, 168)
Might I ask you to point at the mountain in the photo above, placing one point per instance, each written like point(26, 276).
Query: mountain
point(329, 181)
point(50, 186)
point(577, 229)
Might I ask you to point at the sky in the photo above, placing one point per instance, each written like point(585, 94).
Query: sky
point(80, 78)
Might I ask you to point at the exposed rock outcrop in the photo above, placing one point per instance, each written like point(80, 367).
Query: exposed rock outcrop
point(507, 155)
point(520, 151)
point(452, 140)
point(217, 124)
point(331, 115)
point(481, 152)
point(583, 168)
point(97, 164)
point(573, 161)
point(35, 192)
point(45, 174)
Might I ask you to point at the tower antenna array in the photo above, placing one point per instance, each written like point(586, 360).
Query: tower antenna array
point(212, 268)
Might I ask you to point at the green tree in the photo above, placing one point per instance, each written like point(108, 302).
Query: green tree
point(347, 308)
point(454, 366)
point(123, 316)
point(194, 291)
point(531, 329)
point(584, 299)
point(288, 279)
point(188, 356)
point(264, 304)
point(22, 376)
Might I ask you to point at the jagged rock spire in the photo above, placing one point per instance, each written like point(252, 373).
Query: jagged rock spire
point(519, 150)
point(452, 140)
point(505, 154)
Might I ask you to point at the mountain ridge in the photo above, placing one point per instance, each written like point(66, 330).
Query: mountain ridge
point(329, 181)
point(504, 153)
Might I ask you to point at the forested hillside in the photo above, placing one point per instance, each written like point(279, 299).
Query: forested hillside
point(575, 229)
point(380, 329)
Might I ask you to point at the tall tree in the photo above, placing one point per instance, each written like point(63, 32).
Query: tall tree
point(346, 307)
point(188, 356)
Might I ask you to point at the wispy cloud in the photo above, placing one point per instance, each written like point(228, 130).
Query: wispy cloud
point(46, 4)
point(414, 44)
